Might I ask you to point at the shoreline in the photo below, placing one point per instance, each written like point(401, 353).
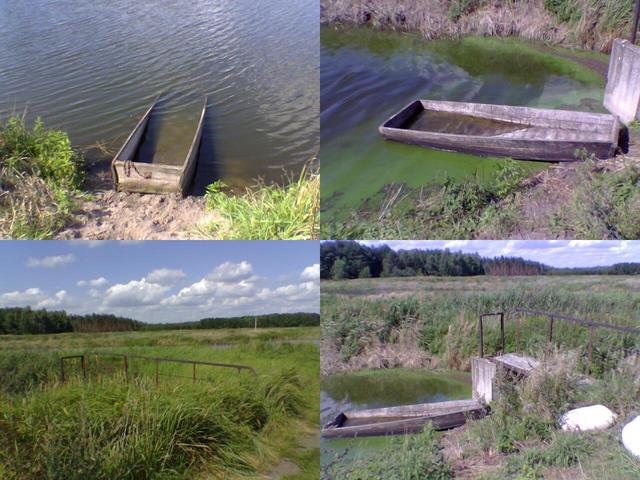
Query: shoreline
point(433, 19)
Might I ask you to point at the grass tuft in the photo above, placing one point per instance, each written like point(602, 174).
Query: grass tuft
point(40, 175)
point(266, 212)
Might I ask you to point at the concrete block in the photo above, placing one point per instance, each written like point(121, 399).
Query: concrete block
point(483, 374)
point(622, 93)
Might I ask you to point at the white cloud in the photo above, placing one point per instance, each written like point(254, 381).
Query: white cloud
point(311, 273)
point(135, 293)
point(231, 272)
point(30, 296)
point(51, 262)
point(96, 282)
point(59, 299)
point(165, 276)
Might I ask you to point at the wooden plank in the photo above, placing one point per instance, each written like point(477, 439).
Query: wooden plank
point(416, 410)
point(517, 363)
point(131, 144)
point(448, 418)
point(190, 163)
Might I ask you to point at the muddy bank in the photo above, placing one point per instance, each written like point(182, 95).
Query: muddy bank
point(104, 214)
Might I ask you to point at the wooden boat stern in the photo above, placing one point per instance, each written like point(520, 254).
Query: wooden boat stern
point(130, 147)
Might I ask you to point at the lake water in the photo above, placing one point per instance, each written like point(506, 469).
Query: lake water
point(366, 76)
point(92, 68)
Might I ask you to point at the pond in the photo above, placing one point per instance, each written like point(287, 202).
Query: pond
point(366, 76)
point(92, 68)
point(382, 388)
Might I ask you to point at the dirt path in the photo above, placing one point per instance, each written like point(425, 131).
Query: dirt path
point(109, 215)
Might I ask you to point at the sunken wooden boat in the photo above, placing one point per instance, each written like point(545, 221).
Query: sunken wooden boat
point(403, 419)
point(132, 176)
point(504, 131)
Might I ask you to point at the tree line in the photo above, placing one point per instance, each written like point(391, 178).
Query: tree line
point(24, 320)
point(349, 260)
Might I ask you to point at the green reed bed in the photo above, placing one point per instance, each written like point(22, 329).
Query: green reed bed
point(444, 323)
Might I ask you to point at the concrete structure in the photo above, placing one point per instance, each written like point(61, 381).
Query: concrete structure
point(484, 370)
point(483, 374)
point(622, 93)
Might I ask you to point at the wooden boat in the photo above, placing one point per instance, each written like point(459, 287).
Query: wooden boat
point(403, 419)
point(504, 131)
point(132, 176)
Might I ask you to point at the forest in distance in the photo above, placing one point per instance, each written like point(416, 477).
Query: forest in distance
point(351, 260)
point(18, 321)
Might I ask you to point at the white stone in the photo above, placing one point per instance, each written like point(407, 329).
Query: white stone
point(631, 436)
point(595, 417)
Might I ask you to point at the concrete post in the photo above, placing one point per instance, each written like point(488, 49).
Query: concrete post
point(622, 93)
point(483, 373)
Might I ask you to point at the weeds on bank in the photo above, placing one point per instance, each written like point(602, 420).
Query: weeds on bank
point(408, 457)
point(444, 325)
point(523, 425)
point(604, 204)
point(456, 210)
point(266, 212)
point(40, 175)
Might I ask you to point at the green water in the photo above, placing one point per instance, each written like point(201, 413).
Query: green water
point(382, 388)
point(366, 76)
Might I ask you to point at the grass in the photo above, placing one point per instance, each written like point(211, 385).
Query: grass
point(40, 177)
point(266, 212)
point(455, 210)
point(223, 426)
point(523, 428)
point(365, 320)
point(603, 205)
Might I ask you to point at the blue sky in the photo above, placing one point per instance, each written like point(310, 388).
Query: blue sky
point(161, 281)
point(557, 253)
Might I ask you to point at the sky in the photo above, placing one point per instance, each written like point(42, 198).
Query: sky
point(162, 281)
point(556, 253)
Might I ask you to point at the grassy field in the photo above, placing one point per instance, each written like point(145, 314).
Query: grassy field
point(432, 322)
point(225, 425)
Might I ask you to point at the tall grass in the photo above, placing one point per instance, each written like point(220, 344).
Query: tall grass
point(266, 212)
point(603, 205)
point(443, 324)
point(40, 174)
point(224, 425)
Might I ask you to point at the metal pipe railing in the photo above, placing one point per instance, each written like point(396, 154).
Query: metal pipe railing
point(157, 360)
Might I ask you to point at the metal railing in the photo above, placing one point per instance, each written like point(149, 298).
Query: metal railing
point(551, 318)
point(84, 363)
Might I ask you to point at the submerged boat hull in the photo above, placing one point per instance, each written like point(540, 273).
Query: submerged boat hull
point(404, 419)
point(504, 131)
point(131, 176)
